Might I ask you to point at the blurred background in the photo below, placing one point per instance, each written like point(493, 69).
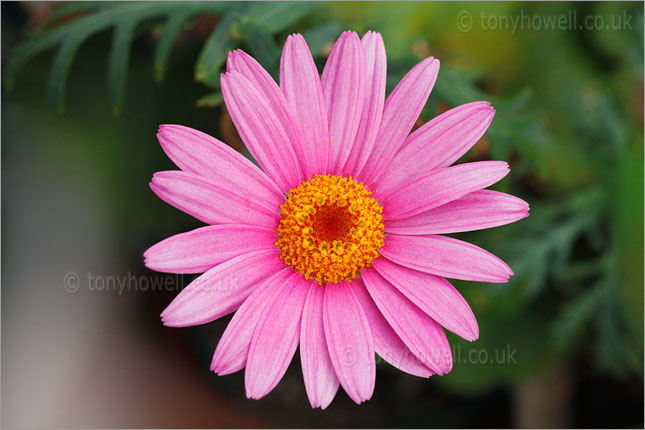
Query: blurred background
point(85, 86)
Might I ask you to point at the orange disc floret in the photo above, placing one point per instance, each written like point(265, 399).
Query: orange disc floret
point(330, 228)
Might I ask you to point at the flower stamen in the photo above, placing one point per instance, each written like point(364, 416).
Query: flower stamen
point(331, 228)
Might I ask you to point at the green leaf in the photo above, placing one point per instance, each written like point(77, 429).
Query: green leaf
point(261, 45)
point(213, 55)
point(456, 86)
point(170, 31)
point(80, 28)
point(258, 27)
point(507, 351)
point(321, 35)
point(26, 51)
point(627, 228)
point(276, 16)
point(60, 70)
point(71, 8)
point(118, 63)
point(248, 155)
point(213, 99)
point(173, 27)
point(577, 314)
point(71, 35)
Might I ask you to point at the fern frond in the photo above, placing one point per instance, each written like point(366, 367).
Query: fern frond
point(170, 32)
point(124, 17)
point(253, 24)
point(261, 45)
point(213, 54)
point(60, 69)
point(320, 35)
point(213, 99)
point(119, 58)
point(277, 16)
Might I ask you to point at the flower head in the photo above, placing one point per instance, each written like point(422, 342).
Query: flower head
point(330, 229)
point(335, 245)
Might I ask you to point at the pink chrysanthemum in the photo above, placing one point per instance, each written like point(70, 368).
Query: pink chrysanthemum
point(335, 245)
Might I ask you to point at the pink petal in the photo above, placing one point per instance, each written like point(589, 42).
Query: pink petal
point(445, 256)
point(318, 372)
point(198, 250)
point(276, 336)
point(475, 211)
point(213, 202)
point(349, 341)
point(222, 289)
point(387, 344)
point(433, 295)
point(419, 332)
point(233, 348)
point(196, 152)
point(402, 109)
point(240, 61)
point(437, 144)
point(375, 77)
point(343, 85)
point(300, 82)
point(265, 132)
point(441, 186)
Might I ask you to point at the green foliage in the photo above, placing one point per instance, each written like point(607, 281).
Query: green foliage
point(261, 45)
point(171, 30)
point(213, 99)
point(569, 130)
point(318, 36)
point(251, 24)
point(213, 54)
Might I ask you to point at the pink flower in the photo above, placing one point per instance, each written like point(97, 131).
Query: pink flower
point(335, 245)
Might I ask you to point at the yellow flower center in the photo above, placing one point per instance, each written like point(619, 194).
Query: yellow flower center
point(330, 228)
